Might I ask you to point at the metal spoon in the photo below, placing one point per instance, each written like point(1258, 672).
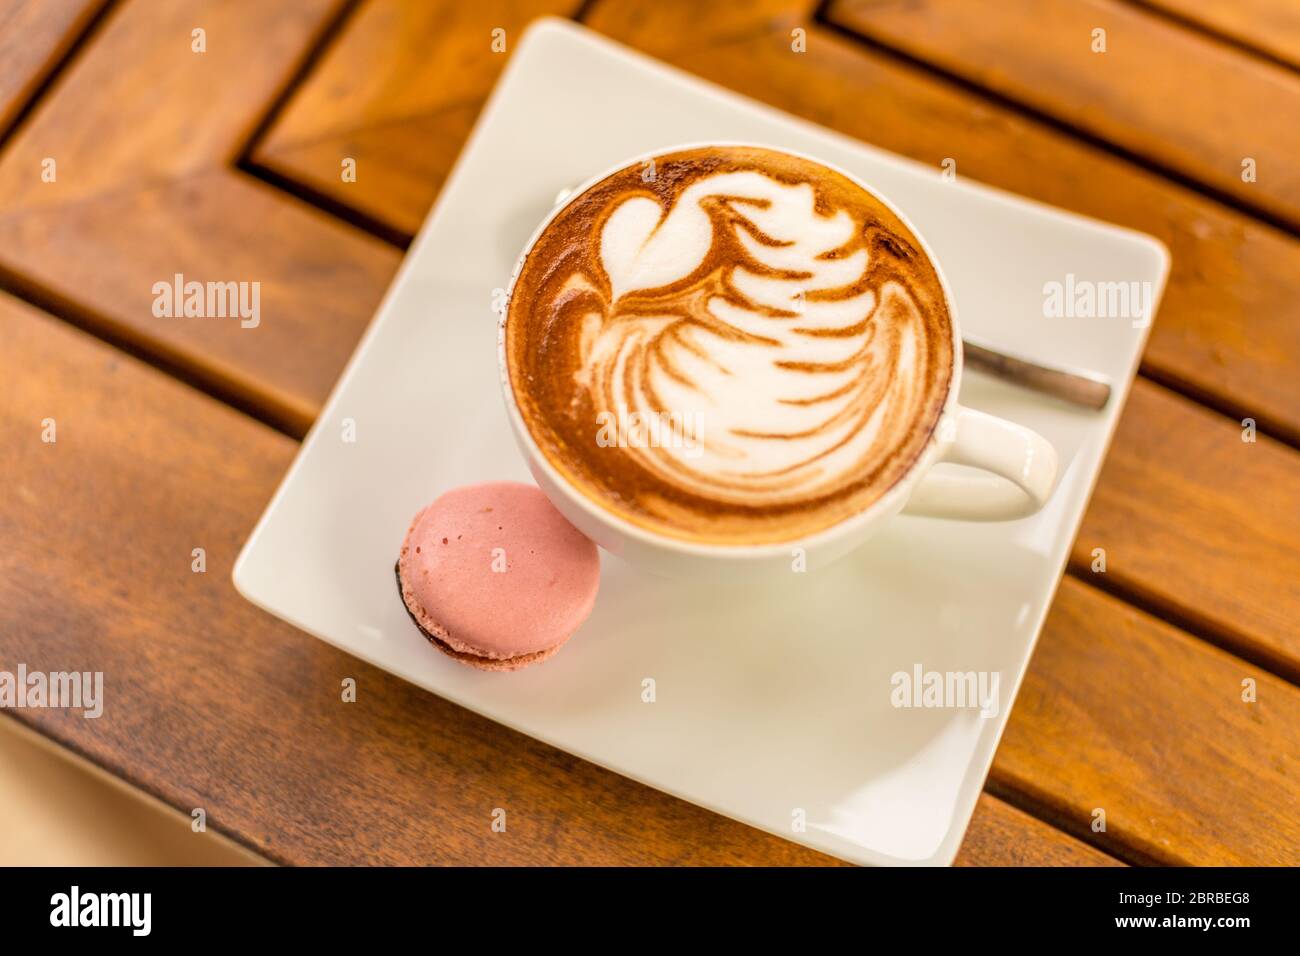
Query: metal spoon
point(1079, 386)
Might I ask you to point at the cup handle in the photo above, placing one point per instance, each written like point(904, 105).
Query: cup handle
point(1019, 468)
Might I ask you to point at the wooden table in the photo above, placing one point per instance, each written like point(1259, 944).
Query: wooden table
point(172, 433)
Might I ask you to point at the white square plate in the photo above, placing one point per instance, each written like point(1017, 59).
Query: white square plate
point(771, 705)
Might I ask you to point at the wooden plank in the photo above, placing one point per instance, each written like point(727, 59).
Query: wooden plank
point(670, 28)
point(174, 112)
point(211, 703)
point(1123, 713)
point(398, 93)
point(1160, 91)
point(1207, 330)
point(319, 281)
point(144, 192)
point(1269, 26)
point(401, 166)
point(57, 809)
point(1001, 835)
point(34, 36)
point(1201, 525)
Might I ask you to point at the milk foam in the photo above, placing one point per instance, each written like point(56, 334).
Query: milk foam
point(776, 306)
point(784, 409)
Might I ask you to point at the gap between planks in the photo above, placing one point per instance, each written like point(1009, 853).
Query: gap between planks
point(143, 350)
point(823, 18)
point(1184, 22)
point(55, 69)
point(1045, 813)
point(308, 60)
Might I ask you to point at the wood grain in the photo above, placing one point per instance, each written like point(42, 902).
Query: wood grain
point(145, 191)
point(211, 703)
point(1201, 525)
point(1001, 835)
point(669, 29)
point(400, 167)
point(403, 116)
point(112, 129)
point(1268, 26)
point(1124, 713)
point(319, 280)
point(1159, 91)
point(398, 92)
point(34, 35)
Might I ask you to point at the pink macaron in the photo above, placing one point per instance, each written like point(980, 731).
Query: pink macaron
point(495, 577)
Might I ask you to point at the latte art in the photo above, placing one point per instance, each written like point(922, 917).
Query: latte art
point(772, 302)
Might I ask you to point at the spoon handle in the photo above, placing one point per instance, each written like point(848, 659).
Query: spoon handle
point(1078, 387)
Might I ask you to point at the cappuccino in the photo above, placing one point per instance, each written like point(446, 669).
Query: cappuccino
point(768, 341)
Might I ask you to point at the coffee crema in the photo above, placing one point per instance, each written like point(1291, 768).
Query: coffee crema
point(729, 345)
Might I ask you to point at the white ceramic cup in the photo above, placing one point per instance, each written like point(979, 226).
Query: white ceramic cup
point(1017, 467)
